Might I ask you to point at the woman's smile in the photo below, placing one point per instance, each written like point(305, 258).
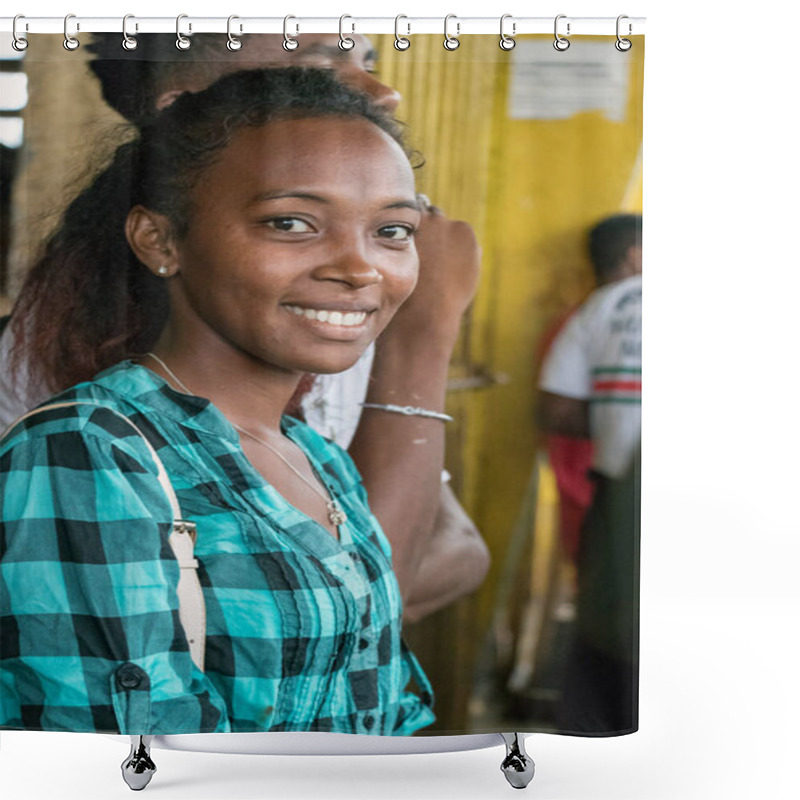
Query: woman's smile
point(333, 322)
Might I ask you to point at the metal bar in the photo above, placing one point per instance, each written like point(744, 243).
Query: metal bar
point(579, 26)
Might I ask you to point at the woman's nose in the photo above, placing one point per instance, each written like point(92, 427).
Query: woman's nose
point(351, 264)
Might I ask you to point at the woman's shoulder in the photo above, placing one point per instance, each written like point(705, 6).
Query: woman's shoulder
point(85, 429)
point(93, 409)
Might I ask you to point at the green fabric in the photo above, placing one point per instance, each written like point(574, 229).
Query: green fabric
point(303, 630)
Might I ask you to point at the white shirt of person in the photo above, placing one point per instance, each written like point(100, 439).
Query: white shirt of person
point(597, 357)
point(333, 405)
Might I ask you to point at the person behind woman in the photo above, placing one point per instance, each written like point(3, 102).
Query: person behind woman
point(253, 232)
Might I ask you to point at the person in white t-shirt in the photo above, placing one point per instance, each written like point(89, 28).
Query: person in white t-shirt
point(591, 386)
point(591, 380)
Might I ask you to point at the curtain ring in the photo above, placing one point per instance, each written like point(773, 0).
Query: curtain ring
point(561, 44)
point(451, 42)
point(345, 42)
point(70, 42)
point(400, 42)
point(19, 43)
point(506, 42)
point(623, 45)
point(234, 43)
point(289, 42)
point(182, 42)
point(129, 42)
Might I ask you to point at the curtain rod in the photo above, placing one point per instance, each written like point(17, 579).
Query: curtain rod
point(578, 26)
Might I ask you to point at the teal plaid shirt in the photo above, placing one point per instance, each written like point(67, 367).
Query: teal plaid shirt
point(303, 630)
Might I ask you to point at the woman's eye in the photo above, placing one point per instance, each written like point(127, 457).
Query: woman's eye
point(289, 225)
point(396, 232)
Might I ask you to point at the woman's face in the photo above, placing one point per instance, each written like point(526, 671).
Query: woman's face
point(300, 244)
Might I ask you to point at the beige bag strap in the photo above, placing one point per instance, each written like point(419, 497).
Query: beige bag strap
point(182, 538)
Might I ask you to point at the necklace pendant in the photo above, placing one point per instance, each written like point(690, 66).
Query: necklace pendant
point(335, 514)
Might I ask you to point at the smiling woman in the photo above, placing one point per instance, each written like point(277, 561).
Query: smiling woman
point(253, 232)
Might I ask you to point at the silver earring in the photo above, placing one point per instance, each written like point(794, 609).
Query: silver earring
point(163, 271)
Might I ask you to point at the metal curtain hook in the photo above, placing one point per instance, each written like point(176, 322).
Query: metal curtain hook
point(451, 42)
point(129, 42)
point(182, 43)
point(70, 42)
point(623, 45)
point(345, 42)
point(506, 42)
point(234, 43)
point(561, 44)
point(400, 42)
point(289, 42)
point(19, 43)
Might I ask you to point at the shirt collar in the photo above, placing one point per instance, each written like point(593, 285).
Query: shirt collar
point(143, 387)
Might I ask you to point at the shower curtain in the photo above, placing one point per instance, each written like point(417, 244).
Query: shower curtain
point(534, 147)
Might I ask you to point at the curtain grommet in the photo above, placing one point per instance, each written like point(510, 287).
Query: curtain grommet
point(401, 43)
point(507, 42)
point(451, 42)
point(345, 42)
point(19, 43)
point(182, 42)
point(561, 43)
point(234, 43)
point(70, 42)
point(290, 43)
point(129, 42)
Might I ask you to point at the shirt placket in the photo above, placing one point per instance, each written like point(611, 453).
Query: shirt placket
point(362, 664)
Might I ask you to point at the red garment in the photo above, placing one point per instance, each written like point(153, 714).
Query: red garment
point(570, 459)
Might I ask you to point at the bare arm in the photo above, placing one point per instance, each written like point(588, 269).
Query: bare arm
point(401, 457)
point(454, 564)
point(565, 416)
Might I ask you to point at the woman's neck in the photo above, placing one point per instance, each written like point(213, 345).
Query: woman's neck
point(248, 393)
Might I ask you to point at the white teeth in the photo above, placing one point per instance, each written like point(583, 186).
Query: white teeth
point(346, 319)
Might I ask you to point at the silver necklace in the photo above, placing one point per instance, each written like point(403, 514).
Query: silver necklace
point(336, 514)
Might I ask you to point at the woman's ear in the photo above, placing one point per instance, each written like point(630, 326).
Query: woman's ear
point(151, 238)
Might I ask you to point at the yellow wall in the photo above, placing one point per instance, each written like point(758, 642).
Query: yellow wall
point(531, 189)
point(552, 179)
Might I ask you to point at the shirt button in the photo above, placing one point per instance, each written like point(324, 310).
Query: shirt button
point(129, 676)
point(369, 721)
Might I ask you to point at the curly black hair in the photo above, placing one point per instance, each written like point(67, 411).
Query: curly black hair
point(88, 302)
